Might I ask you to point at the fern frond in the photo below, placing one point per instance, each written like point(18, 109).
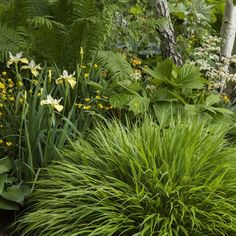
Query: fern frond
point(32, 8)
point(44, 21)
point(12, 40)
point(115, 63)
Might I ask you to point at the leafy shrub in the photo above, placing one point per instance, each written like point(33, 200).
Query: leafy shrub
point(147, 89)
point(143, 180)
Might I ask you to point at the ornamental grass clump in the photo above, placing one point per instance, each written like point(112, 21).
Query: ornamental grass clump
point(141, 180)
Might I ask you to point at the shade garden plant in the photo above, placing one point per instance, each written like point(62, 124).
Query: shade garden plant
point(139, 179)
point(101, 133)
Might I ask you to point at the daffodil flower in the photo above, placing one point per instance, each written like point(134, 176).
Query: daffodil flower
point(54, 103)
point(67, 78)
point(17, 58)
point(33, 67)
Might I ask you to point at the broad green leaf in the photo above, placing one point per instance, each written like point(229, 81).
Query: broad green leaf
point(222, 110)
point(139, 104)
point(5, 165)
point(165, 68)
point(13, 194)
point(162, 73)
point(8, 205)
point(212, 99)
point(190, 77)
point(120, 100)
point(3, 169)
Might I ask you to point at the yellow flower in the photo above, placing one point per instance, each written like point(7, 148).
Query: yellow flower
point(95, 66)
point(15, 59)
point(87, 99)
point(136, 62)
point(9, 144)
point(97, 97)
point(67, 79)
point(4, 73)
point(226, 98)
point(100, 105)
point(87, 107)
point(34, 81)
point(86, 75)
point(33, 68)
point(54, 103)
point(1, 141)
point(2, 85)
point(19, 84)
point(12, 99)
point(11, 85)
point(1, 105)
point(79, 105)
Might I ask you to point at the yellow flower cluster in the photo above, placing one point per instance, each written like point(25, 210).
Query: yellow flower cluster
point(6, 89)
point(136, 62)
point(95, 103)
point(6, 143)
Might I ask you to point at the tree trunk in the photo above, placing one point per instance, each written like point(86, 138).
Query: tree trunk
point(228, 29)
point(167, 36)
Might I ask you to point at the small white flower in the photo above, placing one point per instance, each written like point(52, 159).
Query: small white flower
point(65, 77)
point(33, 68)
point(54, 103)
point(15, 59)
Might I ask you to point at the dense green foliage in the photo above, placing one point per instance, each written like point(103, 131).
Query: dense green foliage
point(52, 30)
point(165, 166)
point(144, 180)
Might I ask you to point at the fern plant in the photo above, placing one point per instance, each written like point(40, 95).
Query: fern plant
point(143, 180)
point(55, 30)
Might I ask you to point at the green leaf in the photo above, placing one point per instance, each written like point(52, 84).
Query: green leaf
point(5, 165)
point(3, 169)
point(139, 104)
point(212, 99)
point(222, 110)
point(94, 84)
point(3, 178)
point(190, 77)
point(7, 205)
point(13, 194)
point(120, 100)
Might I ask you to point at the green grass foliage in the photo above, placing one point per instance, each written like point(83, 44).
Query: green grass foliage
point(141, 180)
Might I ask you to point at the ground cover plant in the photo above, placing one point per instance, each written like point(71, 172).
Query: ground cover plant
point(140, 180)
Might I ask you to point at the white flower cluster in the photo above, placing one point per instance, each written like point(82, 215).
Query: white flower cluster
point(215, 67)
